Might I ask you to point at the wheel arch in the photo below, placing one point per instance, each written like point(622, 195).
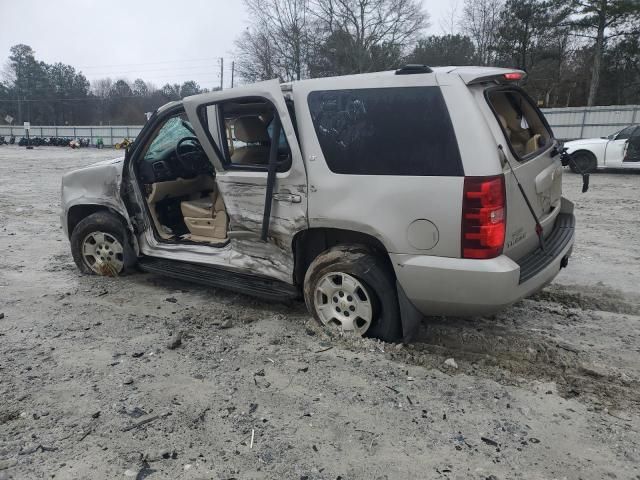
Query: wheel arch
point(308, 244)
point(599, 160)
point(597, 163)
point(584, 150)
point(77, 213)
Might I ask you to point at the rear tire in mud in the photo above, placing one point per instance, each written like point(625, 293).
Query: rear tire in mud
point(585, 161)
point(350, 288)
point(100, 246)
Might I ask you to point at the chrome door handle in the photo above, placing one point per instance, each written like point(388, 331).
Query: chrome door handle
point(287, 197)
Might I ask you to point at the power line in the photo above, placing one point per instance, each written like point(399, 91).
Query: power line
point(149, 63)
point(116, 72)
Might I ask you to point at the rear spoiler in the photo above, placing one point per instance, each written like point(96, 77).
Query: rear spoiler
point(473, 76)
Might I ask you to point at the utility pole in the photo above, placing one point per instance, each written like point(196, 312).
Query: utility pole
point(233, 68)
point(221, 73)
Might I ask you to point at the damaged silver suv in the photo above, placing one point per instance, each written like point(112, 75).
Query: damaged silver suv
point(379, 198)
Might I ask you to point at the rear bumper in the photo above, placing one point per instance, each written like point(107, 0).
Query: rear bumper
point(462, 287)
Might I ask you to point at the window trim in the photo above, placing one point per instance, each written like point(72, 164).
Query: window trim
point(459, 162)
point(634, 130)
point(506, 88)
point(224, 156)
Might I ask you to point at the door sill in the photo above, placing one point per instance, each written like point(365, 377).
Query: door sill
point(257, 286)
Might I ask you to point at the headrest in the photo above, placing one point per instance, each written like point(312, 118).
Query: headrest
point(250, 129)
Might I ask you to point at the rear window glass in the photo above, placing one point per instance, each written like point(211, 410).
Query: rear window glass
point(521, 122)
point(386, 131)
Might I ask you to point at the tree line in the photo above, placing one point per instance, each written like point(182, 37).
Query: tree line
point(576, 52)
point(58, 94)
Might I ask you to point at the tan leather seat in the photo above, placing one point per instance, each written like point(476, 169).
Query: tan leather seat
point(251, 130)
point(206, 218)
point(533, 144)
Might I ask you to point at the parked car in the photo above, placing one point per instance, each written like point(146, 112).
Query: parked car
point(379, 198)
point(618, 150)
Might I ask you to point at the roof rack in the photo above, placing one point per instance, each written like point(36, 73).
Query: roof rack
point(413, 69)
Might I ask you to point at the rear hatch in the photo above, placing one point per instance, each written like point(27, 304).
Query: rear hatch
point(527, 143)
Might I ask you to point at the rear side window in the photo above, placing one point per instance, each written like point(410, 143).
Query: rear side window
point(522, 123)
point(386, 131)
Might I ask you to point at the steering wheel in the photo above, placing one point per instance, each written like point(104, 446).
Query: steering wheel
point(187, 160)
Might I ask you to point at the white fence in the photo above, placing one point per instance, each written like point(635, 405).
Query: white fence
point(567, 124)
point(110, 134)
point(589, 122)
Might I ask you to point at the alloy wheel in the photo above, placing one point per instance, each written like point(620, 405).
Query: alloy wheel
point(341, 300)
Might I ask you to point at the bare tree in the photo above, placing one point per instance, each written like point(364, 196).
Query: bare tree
point(480, 21)
point(277, 43)
point(101, 87)
point(373, 26)
point(256, 56)
point(449, 22)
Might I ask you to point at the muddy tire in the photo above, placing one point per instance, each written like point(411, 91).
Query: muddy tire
point(350, 288)
point(585, 161)
point(100, 246)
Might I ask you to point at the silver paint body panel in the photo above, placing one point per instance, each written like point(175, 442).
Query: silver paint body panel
point(436, 281)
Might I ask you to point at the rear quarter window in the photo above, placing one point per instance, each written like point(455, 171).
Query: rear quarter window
point(386, 131)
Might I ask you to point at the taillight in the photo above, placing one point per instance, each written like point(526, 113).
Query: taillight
point(513, 76)
point(483, 217)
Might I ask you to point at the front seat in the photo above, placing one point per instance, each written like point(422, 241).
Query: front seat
point(253, 131)
point(206, 218)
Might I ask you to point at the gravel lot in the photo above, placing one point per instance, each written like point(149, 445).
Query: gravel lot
point(549, 388)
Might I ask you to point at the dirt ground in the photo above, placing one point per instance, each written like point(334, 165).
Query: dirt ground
point(547, 389)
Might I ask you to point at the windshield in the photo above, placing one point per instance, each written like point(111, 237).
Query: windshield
point(172, 131)
point(623, 134)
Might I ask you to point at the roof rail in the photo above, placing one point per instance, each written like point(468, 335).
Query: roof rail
point(413, 69)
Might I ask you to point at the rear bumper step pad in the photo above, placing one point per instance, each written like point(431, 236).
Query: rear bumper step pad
point(262, 287)
point(539, 259)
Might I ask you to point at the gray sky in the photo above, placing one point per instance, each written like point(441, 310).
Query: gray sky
point(158, 40)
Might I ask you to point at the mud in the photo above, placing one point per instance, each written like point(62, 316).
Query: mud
point(93, 383)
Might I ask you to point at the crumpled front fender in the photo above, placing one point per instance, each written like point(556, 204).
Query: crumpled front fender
point(95, 185)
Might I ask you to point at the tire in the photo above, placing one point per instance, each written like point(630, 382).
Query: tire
point(585, 161)
point(113, 255)
point(367, 285)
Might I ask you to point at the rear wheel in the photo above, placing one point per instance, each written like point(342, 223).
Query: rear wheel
point(583, 162)
point(351, 289)
point(99, 245)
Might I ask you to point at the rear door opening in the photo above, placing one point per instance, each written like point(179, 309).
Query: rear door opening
point(528, 145)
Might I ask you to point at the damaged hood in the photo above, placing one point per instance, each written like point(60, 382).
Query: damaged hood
point(106, 172)
point(114, 161)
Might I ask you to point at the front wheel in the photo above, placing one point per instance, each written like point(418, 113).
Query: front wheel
point(583, 162)
point(351, 289)
point(99, 245)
